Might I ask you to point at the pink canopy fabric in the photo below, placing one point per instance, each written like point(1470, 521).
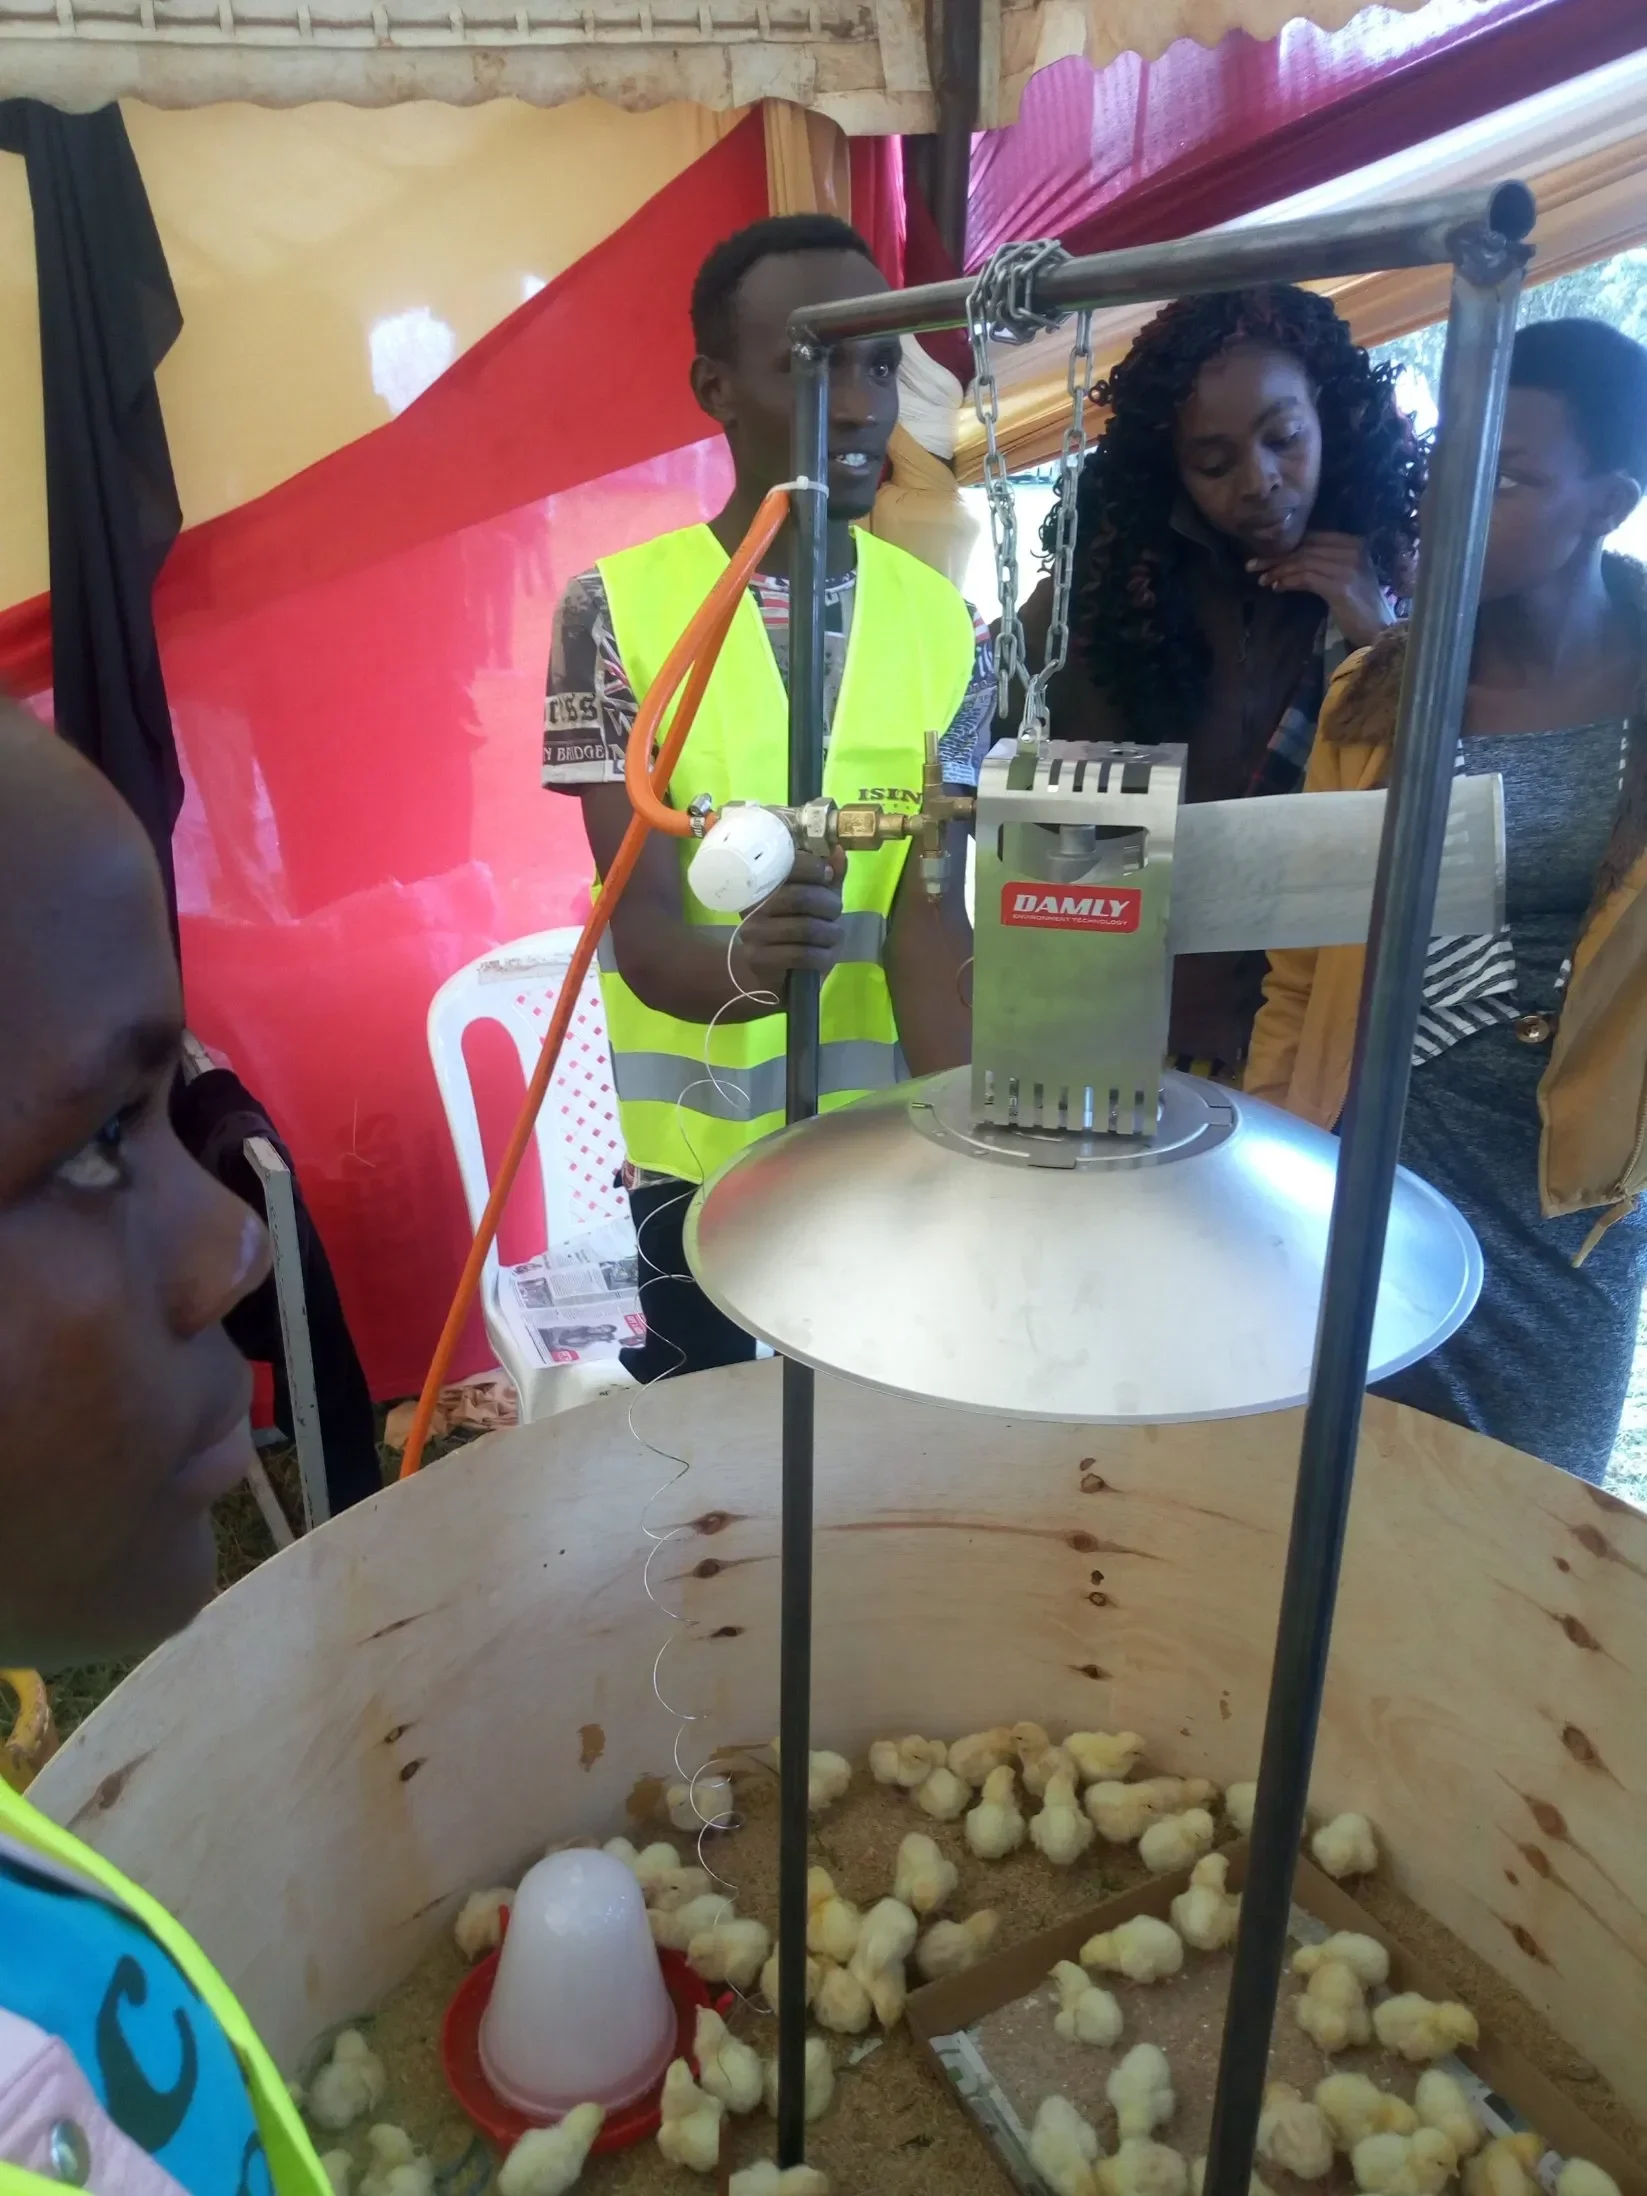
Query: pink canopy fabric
point(1144, 150)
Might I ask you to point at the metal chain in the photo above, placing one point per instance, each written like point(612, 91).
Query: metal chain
point(1071, 457)
point(1001, 309)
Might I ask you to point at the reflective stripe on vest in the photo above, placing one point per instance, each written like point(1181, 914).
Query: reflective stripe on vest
point(909, 659)
point(846, 1069)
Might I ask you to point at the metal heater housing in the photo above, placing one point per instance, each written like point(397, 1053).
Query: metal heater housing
point(1074, 892)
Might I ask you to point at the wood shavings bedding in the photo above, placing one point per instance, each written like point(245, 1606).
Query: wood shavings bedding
point(893, 2130)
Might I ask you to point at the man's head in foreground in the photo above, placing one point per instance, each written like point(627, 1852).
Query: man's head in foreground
point(741, 302)
point(122, 1401)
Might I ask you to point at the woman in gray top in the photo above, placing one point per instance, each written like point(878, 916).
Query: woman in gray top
point(1555, 708)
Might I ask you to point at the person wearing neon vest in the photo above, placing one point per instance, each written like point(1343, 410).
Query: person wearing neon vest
point(125, 2065)
point(697, 1050)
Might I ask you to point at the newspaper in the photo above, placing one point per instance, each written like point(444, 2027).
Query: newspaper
point(579, 1300)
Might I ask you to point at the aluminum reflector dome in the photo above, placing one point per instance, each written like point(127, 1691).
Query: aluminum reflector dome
point(1099, 1279)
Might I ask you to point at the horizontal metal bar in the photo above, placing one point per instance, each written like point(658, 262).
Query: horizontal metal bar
point(1419, 232)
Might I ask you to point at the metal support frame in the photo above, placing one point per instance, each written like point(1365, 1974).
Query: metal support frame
point(1480, 233)
point(808, 570)
point(957, 70)
point(281, 1206)
point(1480, 329)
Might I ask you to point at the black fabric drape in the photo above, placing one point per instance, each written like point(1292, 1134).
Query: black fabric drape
point(213, 1116)
point(108, 316)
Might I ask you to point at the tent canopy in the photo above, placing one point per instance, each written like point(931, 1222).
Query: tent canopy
point(865, 63)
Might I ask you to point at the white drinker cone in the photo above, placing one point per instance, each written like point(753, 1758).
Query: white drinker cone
point(579, 2012)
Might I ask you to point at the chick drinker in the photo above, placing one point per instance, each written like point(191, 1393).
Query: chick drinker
point(579, 2012)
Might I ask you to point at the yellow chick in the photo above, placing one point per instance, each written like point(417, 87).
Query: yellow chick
point(1063, 2148)
point(950, 1948)
point(674, 1927)
point(842, 2003)
point(1578, 2177)
point(1239, 1802)
point(348, 2086)
point(1443, 2102)
point(1207, 1915)
point(727, 2068)
point(1420, 2164)
point(655, 1864)
point(944, 1796)
point(832, 1923)
point(1507, 2166)
point(1122, 1812)
point(1104, 1756)
point(398, 2167)
point(1174, 1794)
point(1061, 1832)
point(906, 1762)
point(704, 1805)
point(1143, 1949)
point(827, 1777)
point(1028, 1740)
point(763, 2178)
point(1050, 1762)
point(1141, 2091)
point(1143, 2168)
point(1198, 2180)
point(668, 1888)
point(925, 1878)
point(995, 1827)
point(1365, 1957)
point(1176, 1841)
point(1087, 2013)
point(339, 2169)
point(1293, 2136)
point(769, 1980)
point(819, 2092)
point(1419, 2028)
point(827, 1781)
point(547, 2161)
point(733, 1951)
point(1333, 2009)
point(1354, 2107)
point(689, 2133)
point(479, 1925)
point(887, 1939)
point(1345, 1846)
point(973, 1758)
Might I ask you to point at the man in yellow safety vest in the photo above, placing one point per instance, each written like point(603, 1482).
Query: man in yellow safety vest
point(126, 2067)
point(697, 1048)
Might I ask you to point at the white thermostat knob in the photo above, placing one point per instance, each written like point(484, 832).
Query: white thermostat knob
point(745, 854)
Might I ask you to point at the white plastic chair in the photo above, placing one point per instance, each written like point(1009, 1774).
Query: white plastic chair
point(586, 1213)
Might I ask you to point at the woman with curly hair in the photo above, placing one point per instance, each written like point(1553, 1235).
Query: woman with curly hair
point(1528, 1104)
point(1249, 516)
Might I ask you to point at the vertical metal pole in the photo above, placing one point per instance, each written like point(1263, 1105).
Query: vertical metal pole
point(292, 1302)
point(1480, 328)
point(808, 573)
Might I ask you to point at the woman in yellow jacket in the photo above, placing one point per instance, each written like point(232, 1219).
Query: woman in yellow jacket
point(125, 2066)
point(1528, 1105)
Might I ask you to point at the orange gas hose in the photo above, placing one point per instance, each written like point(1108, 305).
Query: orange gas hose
point(696, 651)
